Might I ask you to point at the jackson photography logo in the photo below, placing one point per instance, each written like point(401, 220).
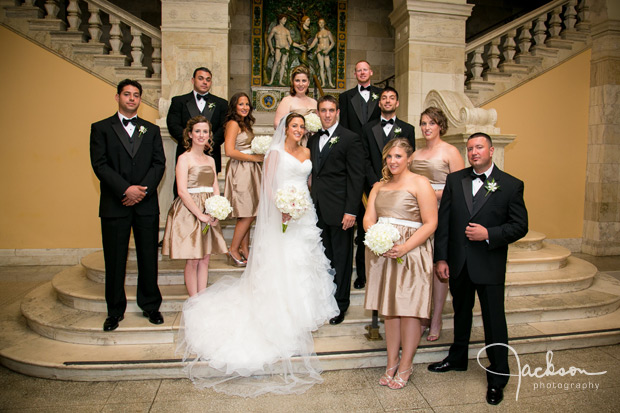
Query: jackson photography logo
point(540, 372)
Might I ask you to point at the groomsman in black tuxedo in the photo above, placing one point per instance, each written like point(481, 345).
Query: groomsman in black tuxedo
point(358, 106)
point(376, 133)
point(481, 212)
point(127, 156)
point(198, 102)
point(337, 178)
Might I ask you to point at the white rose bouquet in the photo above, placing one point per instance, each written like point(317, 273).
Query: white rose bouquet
point(313, 122)
point(218, 207)
point(260, 144)
point(380, 238)
point(292, 200)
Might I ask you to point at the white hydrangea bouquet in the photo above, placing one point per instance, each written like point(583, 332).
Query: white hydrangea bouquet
point(380, 238)
point(313, 122)
point(218, 207)
point(260, 144)
point(292, 200)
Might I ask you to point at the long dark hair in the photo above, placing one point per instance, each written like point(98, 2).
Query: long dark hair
point(244, 123)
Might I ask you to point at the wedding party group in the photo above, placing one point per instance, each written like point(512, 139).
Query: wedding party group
point(339, 184)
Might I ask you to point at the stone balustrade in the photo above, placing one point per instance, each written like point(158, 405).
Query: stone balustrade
point(522, 45)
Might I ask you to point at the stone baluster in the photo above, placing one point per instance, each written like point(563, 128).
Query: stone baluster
point(156, 57)
point(74, 17)
point(94, 24)
point(525, 39)
point(493, 56)
point(570, 16)
point(52, 9)
point(29, 3)
point(510, 47)
point(476, 64)
point(116, 35)
point(540, 32)
point(583, 15)
point(136, 47)
point(555, 24)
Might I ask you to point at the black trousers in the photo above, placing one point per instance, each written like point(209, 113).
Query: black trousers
point(360, 248)
point(115, 234)
point(339, 250)
point(491, 299)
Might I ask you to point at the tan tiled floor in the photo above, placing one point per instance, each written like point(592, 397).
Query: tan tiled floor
point(346, 390)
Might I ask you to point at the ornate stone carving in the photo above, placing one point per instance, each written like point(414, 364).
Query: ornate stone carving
point(463, 117)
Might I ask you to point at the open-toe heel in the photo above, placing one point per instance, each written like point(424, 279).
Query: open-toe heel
point(398, 382)
point(234, 261)
point(386, 378)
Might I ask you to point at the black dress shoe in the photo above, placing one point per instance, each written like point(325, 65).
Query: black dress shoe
point(337, 320)
point(443, 366)
point(111, 323)
point(495, 395)
point(359, 283)
point(154, 316)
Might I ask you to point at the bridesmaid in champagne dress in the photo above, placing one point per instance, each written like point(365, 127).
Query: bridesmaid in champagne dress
point(401, 292)
point(243, 175)
point(196, 182)
point(435, 161)
point(298, 100)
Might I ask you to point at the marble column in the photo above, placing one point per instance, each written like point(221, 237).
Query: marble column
point(601, 225)
point(429, 51)
point(194, 33)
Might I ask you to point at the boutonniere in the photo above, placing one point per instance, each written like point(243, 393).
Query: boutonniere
point(397, 131)
point(211, 106)
point(375, 96)
point(141, 131)
point(491, 186)
point(333, 141)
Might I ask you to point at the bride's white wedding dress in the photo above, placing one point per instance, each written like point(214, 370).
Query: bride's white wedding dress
point(256, 330)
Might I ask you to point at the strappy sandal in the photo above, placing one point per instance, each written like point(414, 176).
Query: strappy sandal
point(386, 378)
point(398, 383)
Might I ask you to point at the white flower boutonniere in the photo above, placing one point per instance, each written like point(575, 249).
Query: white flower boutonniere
point(491, 186)
point(141, 131)
point(333, 141)
point(211, 106)
point(375, 96)
point(397, 131)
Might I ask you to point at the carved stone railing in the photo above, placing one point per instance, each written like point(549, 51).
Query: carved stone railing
point(119, 44)
point(520, 46)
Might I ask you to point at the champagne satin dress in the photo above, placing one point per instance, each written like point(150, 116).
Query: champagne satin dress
point(183, 238)
point(394, 289)
point(435, 169)
point(242, 185)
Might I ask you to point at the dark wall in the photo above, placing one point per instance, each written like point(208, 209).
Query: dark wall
point(490, 14)
point(147, 10)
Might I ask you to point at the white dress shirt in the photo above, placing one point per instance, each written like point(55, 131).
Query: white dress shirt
point(477, 183)
point(365, 93)
point(324, 138)
point(130, 126)
point(200, 102)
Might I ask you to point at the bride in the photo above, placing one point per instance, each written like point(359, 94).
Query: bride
point(253, 335)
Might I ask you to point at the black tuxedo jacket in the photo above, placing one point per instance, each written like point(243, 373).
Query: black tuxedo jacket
point(374, 139)
point(350, 103)
point(119, 164)
point(183, 108)
point(502, 213)
point(337, 175)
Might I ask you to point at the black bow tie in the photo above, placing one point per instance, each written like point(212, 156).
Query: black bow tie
point(475, 176)
point(323, 132)
point(201, 97)
point(385, 122)
point(362, 88)
point(132, 120)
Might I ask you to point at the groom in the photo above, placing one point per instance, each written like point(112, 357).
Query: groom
point(337, 178)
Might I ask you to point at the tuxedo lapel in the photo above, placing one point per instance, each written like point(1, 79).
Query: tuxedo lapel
point(328, 147)
point(379, 135)
point(372, 103)
point(122, 135)
point(356, 101)
point(316, 153)
point(482, 196)
point(466, 183)
point(209, 108)
point(191, 105)
point(138, 137)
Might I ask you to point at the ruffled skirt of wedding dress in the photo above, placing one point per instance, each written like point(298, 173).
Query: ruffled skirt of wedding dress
point(253, 335)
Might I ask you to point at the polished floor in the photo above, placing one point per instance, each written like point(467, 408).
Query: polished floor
point(342, 391)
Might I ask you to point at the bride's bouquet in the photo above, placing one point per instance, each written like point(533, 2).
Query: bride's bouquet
point(260, 144)
point(292, 200)
point(313, 122)
point(380, 238)
point(218, 207)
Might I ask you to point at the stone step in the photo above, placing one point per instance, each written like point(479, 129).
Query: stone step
point(48, 316)
point(532, 241)
point(27, 352)
point(550, 257)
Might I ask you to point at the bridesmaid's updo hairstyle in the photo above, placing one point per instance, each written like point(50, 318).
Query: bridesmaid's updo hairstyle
point(299, 70)
point(244, 123)
point(402, 143)
point(187, 142)
point(438, 117)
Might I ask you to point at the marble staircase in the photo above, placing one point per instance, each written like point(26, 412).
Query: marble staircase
point(553, 301)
